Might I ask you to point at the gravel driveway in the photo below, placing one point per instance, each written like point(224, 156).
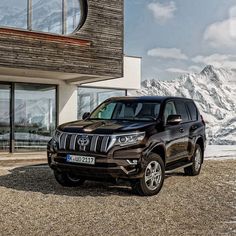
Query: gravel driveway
point(32, 203)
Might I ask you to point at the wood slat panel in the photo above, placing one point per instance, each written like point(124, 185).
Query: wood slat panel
point(103, 55)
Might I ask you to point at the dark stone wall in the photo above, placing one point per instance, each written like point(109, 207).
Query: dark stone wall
point(102, 56)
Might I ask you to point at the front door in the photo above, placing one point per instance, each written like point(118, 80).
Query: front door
point(5, 91)
point(175, 135)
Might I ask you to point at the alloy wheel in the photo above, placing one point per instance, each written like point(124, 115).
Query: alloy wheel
point(153, 175)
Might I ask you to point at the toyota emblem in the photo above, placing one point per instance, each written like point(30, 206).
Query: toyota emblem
point(83, 142)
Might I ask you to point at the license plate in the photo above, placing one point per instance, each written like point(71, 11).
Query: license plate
point(80, 159)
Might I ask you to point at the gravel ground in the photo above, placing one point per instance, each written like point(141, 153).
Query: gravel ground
point(32, 203)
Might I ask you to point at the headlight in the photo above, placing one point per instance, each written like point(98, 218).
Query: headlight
point(52, 146)
point(128, 139)
point(56, 135)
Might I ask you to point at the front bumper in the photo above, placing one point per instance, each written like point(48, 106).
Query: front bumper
point(126, 165)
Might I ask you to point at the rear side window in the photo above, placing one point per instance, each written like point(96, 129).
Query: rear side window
point(182, 110)
point(192, 110)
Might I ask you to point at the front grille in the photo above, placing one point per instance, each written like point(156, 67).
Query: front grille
point(93, 143)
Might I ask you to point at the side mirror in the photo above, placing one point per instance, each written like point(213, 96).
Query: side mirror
point(86, 115)
point(174, 120)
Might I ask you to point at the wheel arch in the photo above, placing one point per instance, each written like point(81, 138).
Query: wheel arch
point(200, 142)
point(160, 150)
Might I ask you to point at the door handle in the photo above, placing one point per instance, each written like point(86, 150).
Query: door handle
point(194, 127)
point(181, 130)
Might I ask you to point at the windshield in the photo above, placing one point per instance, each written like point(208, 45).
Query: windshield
point(127, 110)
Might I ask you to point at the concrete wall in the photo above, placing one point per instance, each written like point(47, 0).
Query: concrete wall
point(130, 81)
point(67, 106)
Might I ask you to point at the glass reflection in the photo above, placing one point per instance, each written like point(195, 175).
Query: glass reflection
point(47, 16)
point(13, 13)
point(35, 116)
point(51, 16)
point(4, 117)
point(90, 98)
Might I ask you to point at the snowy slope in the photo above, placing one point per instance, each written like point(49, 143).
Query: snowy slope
point(214, 95)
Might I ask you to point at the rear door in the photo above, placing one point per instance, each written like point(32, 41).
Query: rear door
point(195, 126)
point(183, 128)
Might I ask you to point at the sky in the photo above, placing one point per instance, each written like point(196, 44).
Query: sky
point(180, 36)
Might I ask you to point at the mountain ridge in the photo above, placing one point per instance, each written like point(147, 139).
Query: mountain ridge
point(214, 93)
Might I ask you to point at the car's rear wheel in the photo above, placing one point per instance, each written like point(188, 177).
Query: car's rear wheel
point(68, 179)
point(152, 181)
point(197, 160)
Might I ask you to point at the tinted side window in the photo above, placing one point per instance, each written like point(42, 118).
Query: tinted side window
point(181, 110)
point(193, 110)
point(169, 110)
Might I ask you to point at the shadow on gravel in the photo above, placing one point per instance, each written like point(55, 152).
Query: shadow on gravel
point(40, 178)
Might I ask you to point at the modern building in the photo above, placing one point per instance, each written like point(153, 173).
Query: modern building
point(58, 59)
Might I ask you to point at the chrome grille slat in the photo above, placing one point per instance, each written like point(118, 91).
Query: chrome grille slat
point(65, 141)
point(72, 142)
point(62, 141)
point(75, 142)
point(104, 143)
point(93, 145)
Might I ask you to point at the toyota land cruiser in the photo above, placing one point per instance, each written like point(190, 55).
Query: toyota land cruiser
point(132, 138)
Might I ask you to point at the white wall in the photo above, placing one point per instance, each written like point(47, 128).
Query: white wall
point(131, 79)
point(67, 103)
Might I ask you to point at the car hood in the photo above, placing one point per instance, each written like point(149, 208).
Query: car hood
point(105, 126)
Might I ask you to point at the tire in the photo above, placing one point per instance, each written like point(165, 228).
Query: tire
point(152, 181)
point(68, 180)
point(197, 160)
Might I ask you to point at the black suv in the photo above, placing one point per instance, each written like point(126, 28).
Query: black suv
point(133, 138)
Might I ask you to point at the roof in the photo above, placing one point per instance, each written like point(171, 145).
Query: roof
point(149, 98)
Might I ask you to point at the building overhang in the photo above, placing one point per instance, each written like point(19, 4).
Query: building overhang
point(37, 76)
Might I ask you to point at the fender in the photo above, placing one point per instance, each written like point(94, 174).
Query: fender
point(152, 146)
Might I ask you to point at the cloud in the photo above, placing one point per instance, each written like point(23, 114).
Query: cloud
point(177, 71)
point(190, 69)
point(222, 34)
point(162, 11)
point(217, 60)
point(167, 53)
point(195, 69)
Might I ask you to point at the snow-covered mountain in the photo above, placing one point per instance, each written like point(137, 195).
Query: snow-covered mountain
point(213, 90)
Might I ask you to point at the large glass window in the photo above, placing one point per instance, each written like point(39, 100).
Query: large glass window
point(35, 115)
point(47, 16)
point(90, 98)
point(57, 16)
point(13, 13)
point(4, 117)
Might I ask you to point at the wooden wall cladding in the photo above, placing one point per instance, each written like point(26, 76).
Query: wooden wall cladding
point(98, 49)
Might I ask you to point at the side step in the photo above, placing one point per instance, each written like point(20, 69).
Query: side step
point(177, 166)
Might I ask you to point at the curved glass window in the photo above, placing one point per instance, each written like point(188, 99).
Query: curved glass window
point(50, 16)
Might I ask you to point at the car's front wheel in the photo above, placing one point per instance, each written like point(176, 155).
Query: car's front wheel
point(197, 160)
point(67, 179)
point(154, 174)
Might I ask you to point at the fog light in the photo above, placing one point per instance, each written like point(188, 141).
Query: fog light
point(132, 162)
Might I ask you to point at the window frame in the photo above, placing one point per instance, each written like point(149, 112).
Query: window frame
point(12, 86)
point(29, 18)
